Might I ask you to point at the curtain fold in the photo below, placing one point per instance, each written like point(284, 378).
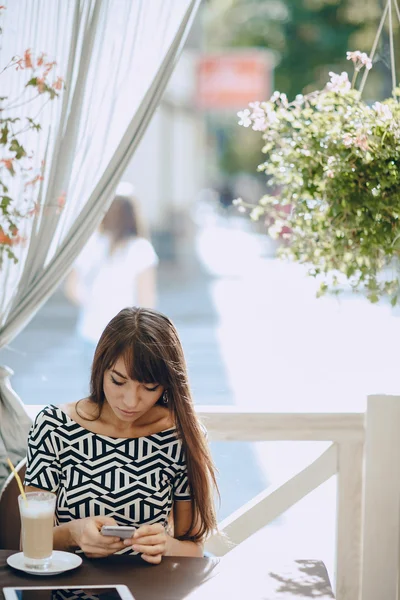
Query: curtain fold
point(116, 57)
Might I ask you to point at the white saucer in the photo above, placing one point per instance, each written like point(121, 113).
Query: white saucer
point(61, 561)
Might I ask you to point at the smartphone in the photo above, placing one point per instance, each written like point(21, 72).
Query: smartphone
point(122, 531)
point(91, 592)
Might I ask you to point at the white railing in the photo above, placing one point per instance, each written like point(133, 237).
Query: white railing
point(344, 456)
point(365, 454)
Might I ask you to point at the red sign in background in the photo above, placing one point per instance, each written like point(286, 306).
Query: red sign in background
point(232, 80)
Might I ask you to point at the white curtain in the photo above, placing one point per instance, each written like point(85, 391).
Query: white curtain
point(116, 57)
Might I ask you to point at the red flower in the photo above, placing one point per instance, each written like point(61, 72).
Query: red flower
point(28, 59)
point(34, 180)
point(61, 200)
point(35, 210)
point(40, 60)
point(57, 85)
point(19, 64)
point(5, 239)
point(48, 68)
point(12, 240)
point(41, 86)
point(7, 162)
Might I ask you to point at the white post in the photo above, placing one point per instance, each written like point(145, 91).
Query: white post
point(381, 519)
point(349, 520)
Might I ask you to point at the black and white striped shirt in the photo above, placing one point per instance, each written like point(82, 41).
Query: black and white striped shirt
point(133, 480)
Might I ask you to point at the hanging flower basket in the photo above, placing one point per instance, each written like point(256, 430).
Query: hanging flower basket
point(335, 161)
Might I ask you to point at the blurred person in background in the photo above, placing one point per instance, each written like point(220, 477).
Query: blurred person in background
point(117, 268)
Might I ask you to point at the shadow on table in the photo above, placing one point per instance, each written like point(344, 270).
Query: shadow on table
point(311, 581)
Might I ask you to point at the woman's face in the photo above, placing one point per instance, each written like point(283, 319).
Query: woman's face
point(128, 399)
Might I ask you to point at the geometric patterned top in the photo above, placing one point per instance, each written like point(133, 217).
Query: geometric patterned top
point(133, 480)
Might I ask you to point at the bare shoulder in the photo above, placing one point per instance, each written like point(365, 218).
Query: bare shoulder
point(161, 418)
point(80, 410)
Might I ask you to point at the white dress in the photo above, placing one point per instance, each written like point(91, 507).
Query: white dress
point(108, 283)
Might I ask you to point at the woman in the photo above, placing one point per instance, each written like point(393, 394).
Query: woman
point(117, 268)
point(132, 453)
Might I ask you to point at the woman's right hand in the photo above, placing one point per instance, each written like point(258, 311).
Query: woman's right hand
point(86, 534)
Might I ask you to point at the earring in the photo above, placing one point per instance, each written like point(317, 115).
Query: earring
point(165, 397)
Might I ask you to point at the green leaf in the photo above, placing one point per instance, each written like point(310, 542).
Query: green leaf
point(34, 125)
point(16, 147)
point(32, 82)
point(374, 298)
point(5, 203)
point(4, 134)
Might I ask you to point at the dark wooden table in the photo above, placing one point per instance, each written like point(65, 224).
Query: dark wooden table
point(191, 578)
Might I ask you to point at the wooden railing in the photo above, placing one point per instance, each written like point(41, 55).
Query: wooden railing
point(365, 454)
point(344, 457)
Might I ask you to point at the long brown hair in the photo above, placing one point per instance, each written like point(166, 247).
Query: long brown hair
point(150, 346)
point(124, 220)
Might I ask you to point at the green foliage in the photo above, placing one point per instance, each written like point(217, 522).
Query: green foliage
point(14, 161)
point(335, 162)
point(308, 37)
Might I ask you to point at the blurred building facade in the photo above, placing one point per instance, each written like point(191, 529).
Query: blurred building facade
point(167, 170)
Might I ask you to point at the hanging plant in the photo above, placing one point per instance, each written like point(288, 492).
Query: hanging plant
point(15, 161)
point(333, 167)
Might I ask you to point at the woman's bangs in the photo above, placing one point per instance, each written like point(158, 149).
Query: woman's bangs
point(142, 365)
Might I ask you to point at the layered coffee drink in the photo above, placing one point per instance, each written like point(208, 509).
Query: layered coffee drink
point(37, 522)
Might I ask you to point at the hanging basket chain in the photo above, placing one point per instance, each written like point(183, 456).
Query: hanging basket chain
point(375, 44)
point(396, 6)
point(391, 43)
point(397, 9)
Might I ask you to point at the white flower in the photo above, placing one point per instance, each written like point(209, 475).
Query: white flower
point(383, 111)
point(244, 117)
point(360, 141)
point(260, 123)
point(347, 139)
point(257, 110)
point(284, 99)
point(271, 116)
point(275, 96)
point(338, 83)
point(276, 229)
point(330, 173)
point(237, 201)
point(360, 59)
point(278, 96)
point(258, 117)
point(353, 55)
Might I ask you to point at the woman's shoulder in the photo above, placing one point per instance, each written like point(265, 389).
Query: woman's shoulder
point(157, 421)
point(48, 419)
point(142, 250)
point(86, 410)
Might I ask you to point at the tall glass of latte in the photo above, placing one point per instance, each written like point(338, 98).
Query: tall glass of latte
point(37, 522)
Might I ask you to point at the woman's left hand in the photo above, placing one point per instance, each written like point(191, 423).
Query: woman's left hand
point(151, 541)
